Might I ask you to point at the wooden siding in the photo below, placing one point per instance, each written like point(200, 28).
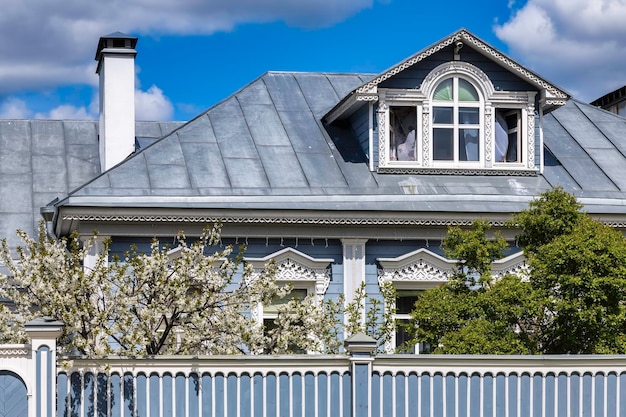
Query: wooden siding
point(360, 122)
point(501, 78)
point(394, 248)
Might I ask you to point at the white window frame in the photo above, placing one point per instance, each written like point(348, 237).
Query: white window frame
point(295, 268)
point(417, 270)
point(491, 99)
point(456, 124)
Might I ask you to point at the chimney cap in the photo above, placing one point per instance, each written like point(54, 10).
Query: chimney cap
point(117, 40)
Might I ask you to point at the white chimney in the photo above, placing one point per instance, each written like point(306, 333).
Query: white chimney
point(116, 67)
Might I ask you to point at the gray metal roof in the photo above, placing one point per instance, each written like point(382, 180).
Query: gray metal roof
point(265, 148)
point(41, 160)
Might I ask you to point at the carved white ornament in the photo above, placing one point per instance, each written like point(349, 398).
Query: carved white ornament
point(328, 221)
point(521, 269)
point(488, 137)
point(492, 98)
point(383, 134)
point(291, 271)
point(458, 68)
point(294, 266)
point(530, 131)
point(419, 271)
point(515, 264)
point(15, 351)
point(558, 98)
point(426, 136)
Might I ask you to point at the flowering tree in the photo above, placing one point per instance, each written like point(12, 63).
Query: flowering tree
point(190, 300)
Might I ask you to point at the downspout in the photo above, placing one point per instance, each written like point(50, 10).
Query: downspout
point(48, 213)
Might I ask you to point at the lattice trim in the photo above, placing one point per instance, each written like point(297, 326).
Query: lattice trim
point(419, 271)
point(267, 220)
point(521, 269)
point(560, 96)
point(459, 171)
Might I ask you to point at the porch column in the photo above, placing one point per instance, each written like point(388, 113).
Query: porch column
point(353, 266)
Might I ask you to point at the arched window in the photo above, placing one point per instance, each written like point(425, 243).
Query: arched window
point(457, 121)
point(456, 116)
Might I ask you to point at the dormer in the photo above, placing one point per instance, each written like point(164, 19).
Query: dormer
point(457, 107)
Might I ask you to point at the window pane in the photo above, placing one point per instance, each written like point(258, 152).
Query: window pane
point(297, 293)
point(443, 115)
point(467, 92)
point(402, 335)
point(405, 300)
point(443, 92)
point(468, 145)
point(508, 141)
point(402, 133)
point(443, 143)
point(469, 115)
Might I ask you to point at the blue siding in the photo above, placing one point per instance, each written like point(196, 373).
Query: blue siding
point(359, 122)
point(501, 78)
point(394, 248)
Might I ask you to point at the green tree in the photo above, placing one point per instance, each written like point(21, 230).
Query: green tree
point(583, 277)
point(574, 300)
point(474, 313)
point(553, 214)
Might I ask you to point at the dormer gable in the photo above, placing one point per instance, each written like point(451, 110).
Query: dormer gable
point(456, 107)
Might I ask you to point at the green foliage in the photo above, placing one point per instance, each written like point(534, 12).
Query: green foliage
point(474, 251)
point(553, 214)
point(574, 300)
point(375, 321)
point(583, 276)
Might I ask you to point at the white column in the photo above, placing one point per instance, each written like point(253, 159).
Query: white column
point(353, 266)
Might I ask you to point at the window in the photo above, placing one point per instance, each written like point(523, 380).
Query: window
point(508, 136)
point(402, 133)
point(405, 302)
point(456, 121)
point(411, 274)
point(307, 275)
point(270, 313)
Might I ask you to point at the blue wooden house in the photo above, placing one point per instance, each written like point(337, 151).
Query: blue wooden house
point(342, 179)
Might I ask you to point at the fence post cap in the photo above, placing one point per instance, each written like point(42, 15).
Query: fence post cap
point(360, 343)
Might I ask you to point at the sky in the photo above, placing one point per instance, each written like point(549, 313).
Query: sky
point(192, 54)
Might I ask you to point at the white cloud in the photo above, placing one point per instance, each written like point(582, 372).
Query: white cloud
point(66, 112)
point(578, 44)
point(14, 108)
point(47, 44)
point(152, 105)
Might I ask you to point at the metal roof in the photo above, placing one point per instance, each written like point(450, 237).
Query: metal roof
point(41, 160)
point(266, 148)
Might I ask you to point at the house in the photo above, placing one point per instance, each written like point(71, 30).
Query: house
point(615, 101)
point(339, 178)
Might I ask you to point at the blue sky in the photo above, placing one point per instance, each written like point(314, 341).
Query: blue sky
point(194, 53)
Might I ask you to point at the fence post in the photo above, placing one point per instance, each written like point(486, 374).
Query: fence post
point(361, 348)
point(43, 333)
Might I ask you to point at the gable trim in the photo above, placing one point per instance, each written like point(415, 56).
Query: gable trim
point(554, 96)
